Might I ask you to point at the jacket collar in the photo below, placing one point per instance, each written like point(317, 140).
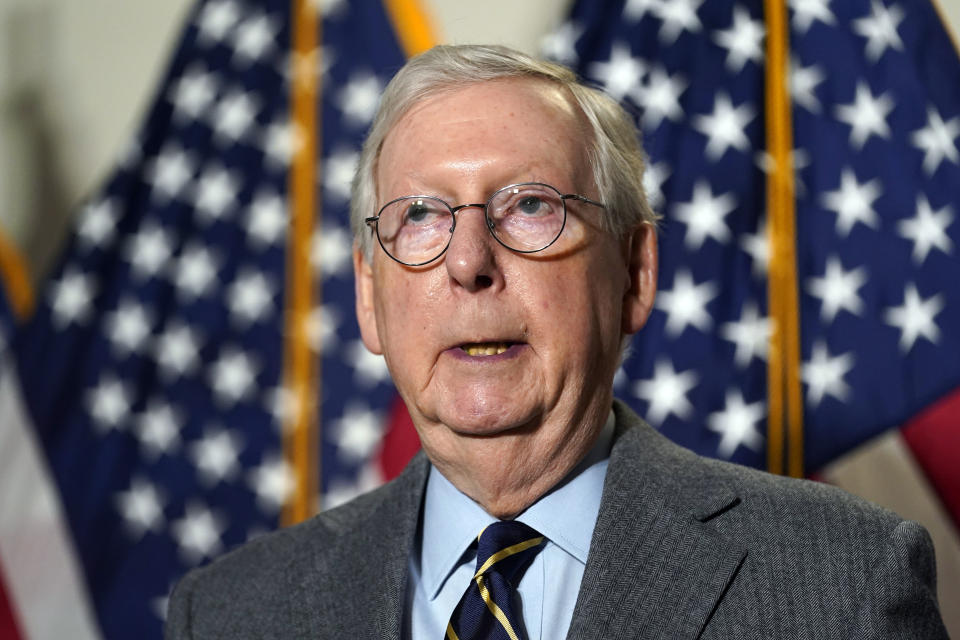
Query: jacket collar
point(658, 566)
point(360, 557)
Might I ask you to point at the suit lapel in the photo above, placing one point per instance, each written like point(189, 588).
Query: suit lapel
point(357, 587)
point(657, 567)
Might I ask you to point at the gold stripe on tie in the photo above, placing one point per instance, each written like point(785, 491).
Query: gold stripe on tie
point(505, 553)
point(451, 634)
point(494, 609)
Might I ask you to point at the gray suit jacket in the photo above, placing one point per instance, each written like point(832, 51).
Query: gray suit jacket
point(684, 547)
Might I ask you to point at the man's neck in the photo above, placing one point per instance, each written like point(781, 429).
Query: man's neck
point(505, 476)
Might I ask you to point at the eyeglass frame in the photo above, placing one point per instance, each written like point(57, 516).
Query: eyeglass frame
point(374, 221)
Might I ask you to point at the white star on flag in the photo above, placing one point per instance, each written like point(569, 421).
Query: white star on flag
point(757, 246)
point(927, 229)
point(331, 251)
point(273, 482)
point(216, 455)
point(880, 29)
point(250, 297)
point(803, 85)
point(141, 507)
point(234, 114)
point(704, 216)
point(736, 424)
point(659, 97)
point(158, 429)
point(743, 40)
point(283, 403)
point(866, 115)
point(215, 193)
point(725, 126)
point(621, 74)
point(666, 392)
point(149, 250)
point(686, 304)
point(369, 369)
point(338, 171)
point(232, 376)
point(751, 335)
point(805, 12)
point(838, 289)
point(359, 99)
point(853, 202)
point(915, 317)
point(322, 326)
point(678, 16)
point(936, 140)
point(128, 327)
point(71, 298)
point(195, 271)
point(198, 533)
point(654, 176)
point(281, 140)
point(637, 9)
point(109, 403)
point(176, 350)
point(254, 38)
point(193, 93)
point(98, 222)
point(559, 44)
point(266, 219)
point(358, 433)
point(170, 172)
point(217, 19)
point(824, 375)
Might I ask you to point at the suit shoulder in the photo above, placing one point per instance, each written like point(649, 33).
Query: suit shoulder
point(266, 573)
point(711, 486)
point(324, 533)
point(799, 499)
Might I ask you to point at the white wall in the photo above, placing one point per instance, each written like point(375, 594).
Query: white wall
point(74, 78)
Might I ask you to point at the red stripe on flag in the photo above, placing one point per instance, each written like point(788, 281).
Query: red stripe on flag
point(9, 629)
point(400, 443)
point(934, 438)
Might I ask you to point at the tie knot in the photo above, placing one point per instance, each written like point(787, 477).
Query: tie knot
point(506, 546)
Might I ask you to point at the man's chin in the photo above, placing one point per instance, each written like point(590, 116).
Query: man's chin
point(489, 423)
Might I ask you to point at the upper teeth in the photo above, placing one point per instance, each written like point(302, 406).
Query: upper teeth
point(485, 348)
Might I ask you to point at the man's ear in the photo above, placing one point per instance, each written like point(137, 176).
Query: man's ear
point(642, 285)
point(366, 312)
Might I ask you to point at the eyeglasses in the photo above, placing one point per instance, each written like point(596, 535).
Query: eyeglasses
point(526, 218)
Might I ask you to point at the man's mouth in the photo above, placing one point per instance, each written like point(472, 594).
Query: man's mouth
point(485, 348)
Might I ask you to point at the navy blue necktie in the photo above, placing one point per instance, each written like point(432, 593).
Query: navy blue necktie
point(485, 611)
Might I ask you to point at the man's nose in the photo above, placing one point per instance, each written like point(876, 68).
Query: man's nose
point(471, 257)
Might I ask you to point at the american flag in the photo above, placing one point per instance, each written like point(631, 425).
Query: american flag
point(151, 372)
point(875, 92)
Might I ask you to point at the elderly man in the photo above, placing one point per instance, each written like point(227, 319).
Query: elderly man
point(505, 252)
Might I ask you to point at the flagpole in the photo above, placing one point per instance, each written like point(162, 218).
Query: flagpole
point(301, 366)
point(16, 279)
point(412, 26)
point(783, 373)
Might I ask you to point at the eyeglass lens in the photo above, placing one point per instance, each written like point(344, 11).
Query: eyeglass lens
point(523, 217)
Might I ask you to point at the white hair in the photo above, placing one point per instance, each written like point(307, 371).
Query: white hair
point(614, 152)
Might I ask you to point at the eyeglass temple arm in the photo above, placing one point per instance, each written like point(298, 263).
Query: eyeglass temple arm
point(579, 198)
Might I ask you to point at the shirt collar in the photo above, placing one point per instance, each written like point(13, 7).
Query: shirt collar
point(566, 515)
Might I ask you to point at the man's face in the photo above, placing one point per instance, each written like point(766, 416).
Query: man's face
point(561, 312)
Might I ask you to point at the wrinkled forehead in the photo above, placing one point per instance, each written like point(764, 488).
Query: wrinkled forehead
point(460, 122)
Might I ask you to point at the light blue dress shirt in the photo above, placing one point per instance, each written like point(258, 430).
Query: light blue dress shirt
point(443, 564)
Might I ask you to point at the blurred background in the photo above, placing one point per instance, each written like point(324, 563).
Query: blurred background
point(76, 79)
